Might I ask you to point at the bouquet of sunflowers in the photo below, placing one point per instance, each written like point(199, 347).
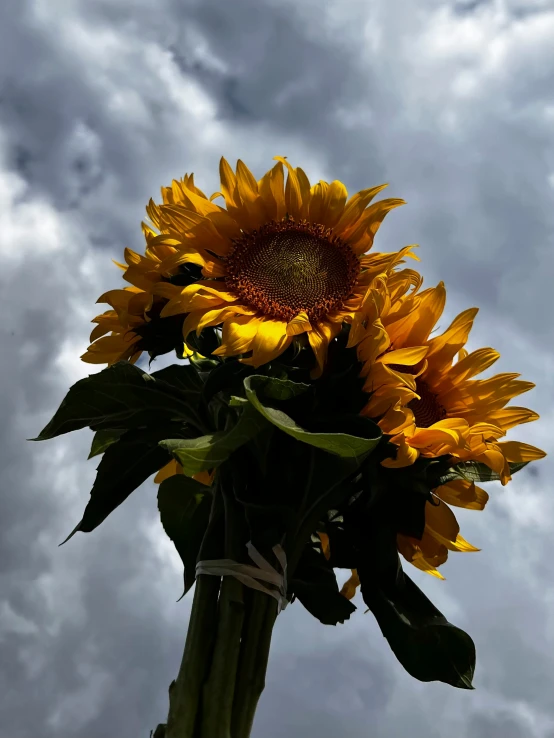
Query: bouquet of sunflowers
point(313, 424)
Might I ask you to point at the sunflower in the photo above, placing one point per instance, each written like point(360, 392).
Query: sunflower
point(281, 259)
point(134, 324)
point(430, 405)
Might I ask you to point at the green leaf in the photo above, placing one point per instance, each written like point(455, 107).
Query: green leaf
point(238, 401)
point(102, 439)
point(206, 343)
point(208, 452)
point(340, 444)
point(183, 377)
point(426, 644)
point(125, 465)
point(315, 585)
point(342, 552)
point(276, 388)
point(329, 486)
point(184, 506)
point(228, 375)
point(475, 471)
point(119, 397)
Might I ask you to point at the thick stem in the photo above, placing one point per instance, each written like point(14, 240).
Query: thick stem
point(218, 693)
point(185, 691)
point(254, 657)
point(219, 689)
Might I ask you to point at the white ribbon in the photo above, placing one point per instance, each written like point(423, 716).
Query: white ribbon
point(252, 576)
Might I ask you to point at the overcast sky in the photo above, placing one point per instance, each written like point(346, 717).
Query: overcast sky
point(103, 101)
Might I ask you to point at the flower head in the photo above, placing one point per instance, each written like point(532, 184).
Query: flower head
point(281, 259)
point(424, 395)
point(134, 325)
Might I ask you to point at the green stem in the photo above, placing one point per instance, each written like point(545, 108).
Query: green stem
point(253, 662)
point(185, 691)
point(219, 689)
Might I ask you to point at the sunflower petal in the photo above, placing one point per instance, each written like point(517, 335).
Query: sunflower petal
point(299, 324)
point(443, 348)
point(351, 585)
point(405, 356)
point(361, 238)
point(333, 205)
point(270, 340)
point(463, 493)
point(228, 184)
point(317, 200)
point(516, 451)
point(405, 456)
point(375, 343)
point(442, 520)
point(512, 416)
point(472, 364)
point(238, 334)
point(272, 188)
point(451, 432)
point(169, 470)
point(305, 187)
point(319, 337)
point(293, 194)
point(355, 207)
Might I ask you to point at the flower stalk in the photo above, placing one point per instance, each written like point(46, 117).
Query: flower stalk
point(254, 656)
point(222, 672)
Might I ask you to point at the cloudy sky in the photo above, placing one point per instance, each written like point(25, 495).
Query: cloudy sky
point(103, 101)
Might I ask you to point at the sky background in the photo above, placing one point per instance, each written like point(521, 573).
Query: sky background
point(102, 102)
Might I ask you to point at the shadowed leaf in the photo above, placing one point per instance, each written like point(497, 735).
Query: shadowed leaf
point(184, 506)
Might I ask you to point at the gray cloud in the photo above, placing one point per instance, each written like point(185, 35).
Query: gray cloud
point(449, 102)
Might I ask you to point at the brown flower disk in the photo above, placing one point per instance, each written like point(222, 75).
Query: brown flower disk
point(284, 268)
point(428, 410)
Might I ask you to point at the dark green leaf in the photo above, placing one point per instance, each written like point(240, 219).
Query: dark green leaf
point(260, 446)
point(315, 585)
point(102, 439)
point(125, 465)
point(328, 487)
point(183, 377)
point(426, 644)
point(160, 335)
point(238, 401)
point(342, 553)
point(276, 388)
point(341, 444)
point(205, 343)
point(208, 452)
point(119, 397)
point(225, 376)
point(475, 471)
point(184, 506)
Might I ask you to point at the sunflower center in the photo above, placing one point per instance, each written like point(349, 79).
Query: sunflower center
point(428, 410)
point(285, 267)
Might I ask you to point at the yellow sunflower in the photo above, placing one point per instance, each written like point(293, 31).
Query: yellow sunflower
point(281, 259)
point(430, 404)
point(134, 324)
